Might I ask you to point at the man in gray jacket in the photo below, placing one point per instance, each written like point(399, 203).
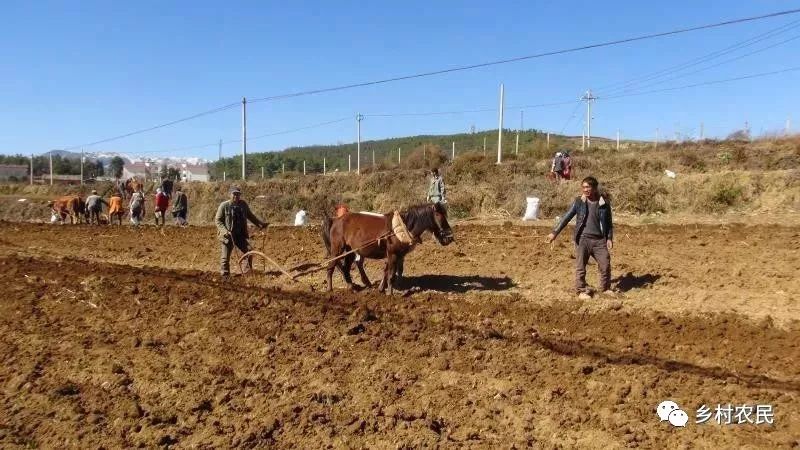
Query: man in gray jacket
point(94, 206)
point(436, 189)
point(231, 219)
point(593, 236)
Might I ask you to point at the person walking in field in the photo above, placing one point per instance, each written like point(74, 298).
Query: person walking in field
point(231, 220)
point(566, 173)
point(161, 205)
point(94, 206)
point(557, 167)
point(180, 208)
point(436, 190)
point(593, 236)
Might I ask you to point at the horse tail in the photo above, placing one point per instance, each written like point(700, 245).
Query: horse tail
point(326, 234)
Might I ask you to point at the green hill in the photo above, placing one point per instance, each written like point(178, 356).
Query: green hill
point(415, 152)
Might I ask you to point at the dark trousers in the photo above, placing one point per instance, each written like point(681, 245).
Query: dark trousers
point(94, 216)
point(596, 248)
point(227, 248)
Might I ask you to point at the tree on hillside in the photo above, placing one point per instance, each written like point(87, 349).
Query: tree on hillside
point(97, 169)
point(739, 135)
point(116, 165)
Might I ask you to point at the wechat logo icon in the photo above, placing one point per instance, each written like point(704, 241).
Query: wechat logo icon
point(671, 412)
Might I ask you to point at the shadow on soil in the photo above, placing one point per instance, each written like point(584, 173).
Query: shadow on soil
point(457, 284)
point(630, 281)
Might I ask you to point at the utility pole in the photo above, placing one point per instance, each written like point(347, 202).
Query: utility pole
point(31, 180)
point(788, 125)
point(262, 172)
point(453, 157)
point(656, 143)
point(283, 167)
point(516, 147)
point(223, 176)
point(373, 158)
point(617, 140)
point(701, 131)
point(398, 156)
point(304, 167)
point(500, 129)
point(484, 146)
point(81, 167)
point(220, 150)
point(51, 168)
point(583, 138)
point(548, 139)
point(589, 99)
point(244, 139)
point(324, 166)
point(359, 118)
point(349, 165)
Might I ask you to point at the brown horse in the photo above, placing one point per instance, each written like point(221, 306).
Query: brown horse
point(373, 232)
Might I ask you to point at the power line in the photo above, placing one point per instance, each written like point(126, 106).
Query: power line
point(156, 127)
point(706, 83)
point(709, 67)
point(439, 113)
point(443, 71)
point(308, 127)
point(701, 59)
point(467, 111)
point(234, 141)
point(523, 58)
point(571, 116)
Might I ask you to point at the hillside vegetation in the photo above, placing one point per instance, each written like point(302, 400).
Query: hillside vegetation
point(712, 177)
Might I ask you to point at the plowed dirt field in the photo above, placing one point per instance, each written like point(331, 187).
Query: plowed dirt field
point(119, 337)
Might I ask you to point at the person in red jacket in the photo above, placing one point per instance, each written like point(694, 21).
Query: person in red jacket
point(162, 202)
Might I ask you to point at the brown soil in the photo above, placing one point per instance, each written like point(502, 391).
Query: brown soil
point(122, 337)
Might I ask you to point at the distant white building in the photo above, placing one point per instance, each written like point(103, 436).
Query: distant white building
point(194, 172)
point(139, 170)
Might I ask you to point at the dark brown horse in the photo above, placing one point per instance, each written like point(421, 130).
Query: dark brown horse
point(373, 232)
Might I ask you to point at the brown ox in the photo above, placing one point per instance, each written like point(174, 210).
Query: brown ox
point(69, 205)
point(132, 185)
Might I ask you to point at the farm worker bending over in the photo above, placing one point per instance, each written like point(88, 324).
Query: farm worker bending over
point(162, 202)
point(231, 219)
point(94, 206)
point(593, 236)
point(115, 208)
point(436, 190)
point(137, 207)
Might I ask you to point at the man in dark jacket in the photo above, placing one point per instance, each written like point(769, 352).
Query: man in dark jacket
point(231, 219)
point(593, 236)
point(180, 207)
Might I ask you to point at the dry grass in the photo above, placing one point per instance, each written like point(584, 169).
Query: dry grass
point(712, 177)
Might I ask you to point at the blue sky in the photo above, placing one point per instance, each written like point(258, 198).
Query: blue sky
point(77, 72)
